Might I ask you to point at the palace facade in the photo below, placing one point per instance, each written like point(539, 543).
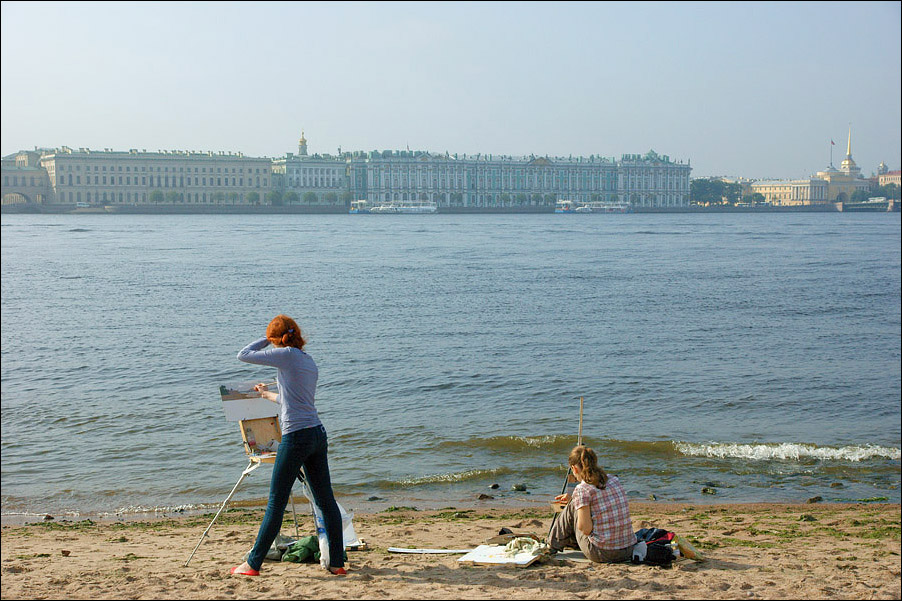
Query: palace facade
point(64, 176)
point(139, 177)
point(480, 181)
point(486, 181)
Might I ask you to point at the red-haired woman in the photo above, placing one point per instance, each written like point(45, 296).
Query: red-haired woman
point(597, 518)
point(304, 441)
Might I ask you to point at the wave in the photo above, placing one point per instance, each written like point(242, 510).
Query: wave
point(535, 473)
point(786, 451)
point(558, 444)
point(513, 443)
point(464, 476)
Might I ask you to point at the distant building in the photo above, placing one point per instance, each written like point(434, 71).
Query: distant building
point(890, 177)
point(490, 182)
point(168, 177)
point(788, 193)
point(481, 181)
point(24, 180)
point(311, 180)
point(830, 185)
point(100, 178)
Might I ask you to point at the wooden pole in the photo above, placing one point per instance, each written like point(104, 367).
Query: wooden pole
point(579, 439)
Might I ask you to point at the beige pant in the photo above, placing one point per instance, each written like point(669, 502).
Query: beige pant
point(564, 533)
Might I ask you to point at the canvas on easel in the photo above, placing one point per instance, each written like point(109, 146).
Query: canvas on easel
point(256, 417)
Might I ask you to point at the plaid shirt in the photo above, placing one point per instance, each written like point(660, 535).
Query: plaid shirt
point(612, 527)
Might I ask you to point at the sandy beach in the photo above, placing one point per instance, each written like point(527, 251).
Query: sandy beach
point(766, 551)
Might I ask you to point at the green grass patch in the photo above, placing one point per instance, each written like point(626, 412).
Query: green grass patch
point(128, 557)
point(82, 525)
point(463, 514)
point(739, 542)
point(888, 532)
point(702, 544)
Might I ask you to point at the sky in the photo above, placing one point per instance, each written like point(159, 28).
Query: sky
point(739, 89)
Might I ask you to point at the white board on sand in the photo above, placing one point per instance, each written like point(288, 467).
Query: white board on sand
point(495, 555)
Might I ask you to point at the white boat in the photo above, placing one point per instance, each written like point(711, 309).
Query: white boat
point(571, 206)
point(565, 206)
point(609, 207)
point(359, 207)
point(406, 207)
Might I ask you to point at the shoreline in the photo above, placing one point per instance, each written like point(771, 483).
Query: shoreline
point(341, 210)
point(752, 550)
point(374, 505)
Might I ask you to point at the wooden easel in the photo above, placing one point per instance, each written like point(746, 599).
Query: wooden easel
point(260, 436)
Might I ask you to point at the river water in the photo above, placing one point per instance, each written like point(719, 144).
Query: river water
point(756, 356)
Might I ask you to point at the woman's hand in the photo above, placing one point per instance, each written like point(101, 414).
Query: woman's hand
point(562, 499)
point(265, 393)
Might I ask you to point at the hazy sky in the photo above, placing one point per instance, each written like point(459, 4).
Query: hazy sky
point(745, 89)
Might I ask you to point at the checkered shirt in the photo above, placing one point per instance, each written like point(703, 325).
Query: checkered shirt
point(612, 527)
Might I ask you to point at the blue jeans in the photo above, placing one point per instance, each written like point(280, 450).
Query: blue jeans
point(307, 448)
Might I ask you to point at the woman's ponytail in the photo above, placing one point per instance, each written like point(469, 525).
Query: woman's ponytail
point(587, 461)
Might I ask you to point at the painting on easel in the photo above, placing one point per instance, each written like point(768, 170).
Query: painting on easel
point(256, 416)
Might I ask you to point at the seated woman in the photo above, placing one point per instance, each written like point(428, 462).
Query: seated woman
point(597, 518)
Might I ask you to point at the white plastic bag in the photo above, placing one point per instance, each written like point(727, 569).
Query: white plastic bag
point(349, 537)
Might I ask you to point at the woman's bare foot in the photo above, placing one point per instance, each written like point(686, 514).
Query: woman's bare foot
point(244, 570)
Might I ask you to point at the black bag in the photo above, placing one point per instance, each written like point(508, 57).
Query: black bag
point(659, 550)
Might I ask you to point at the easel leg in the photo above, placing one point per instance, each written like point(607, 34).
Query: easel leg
point(250, 467)
point(297, 534)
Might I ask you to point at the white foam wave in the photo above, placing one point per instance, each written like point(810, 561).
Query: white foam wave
point(157, 508)
point(786, 450)
point(449, 477)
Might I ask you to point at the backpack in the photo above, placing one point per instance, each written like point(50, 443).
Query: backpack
point(659, 547)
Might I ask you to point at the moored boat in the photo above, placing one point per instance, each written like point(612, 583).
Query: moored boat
point(406, 207)
point(359, 207)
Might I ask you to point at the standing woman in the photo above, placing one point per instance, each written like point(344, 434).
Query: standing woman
point(597, 517)
point(304, 443)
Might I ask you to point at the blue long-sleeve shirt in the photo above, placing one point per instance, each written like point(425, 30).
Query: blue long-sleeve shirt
point(296, 379)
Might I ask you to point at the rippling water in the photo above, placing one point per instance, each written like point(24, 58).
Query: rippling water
point(759, 354)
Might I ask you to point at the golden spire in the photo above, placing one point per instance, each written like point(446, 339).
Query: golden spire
point(849, 147)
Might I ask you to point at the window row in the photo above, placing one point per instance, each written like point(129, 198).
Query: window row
point(159, 181)
point(144, 168)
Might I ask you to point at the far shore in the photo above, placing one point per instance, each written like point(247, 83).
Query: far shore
point(164, 209)
point(755, 550)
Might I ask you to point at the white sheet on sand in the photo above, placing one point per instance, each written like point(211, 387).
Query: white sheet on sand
point(496, 554)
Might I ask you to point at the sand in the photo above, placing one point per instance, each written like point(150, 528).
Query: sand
point(765, 551)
